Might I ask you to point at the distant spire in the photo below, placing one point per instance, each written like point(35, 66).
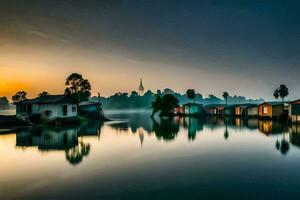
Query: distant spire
point(141, 87)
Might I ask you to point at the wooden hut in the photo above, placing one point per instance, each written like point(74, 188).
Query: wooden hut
point(252, 111)
point(214, 109)
point(294, 111)
point(271, 110)
point(246, 110)
point(192, 109)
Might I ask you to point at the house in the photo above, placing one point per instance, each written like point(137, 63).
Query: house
point(252, 111)
point(246, 110)
point(89, 108)
point(192, 109)
point(229, 110)
point(214, 109)
point(48, 107)
point(271, 110)
point(294, 111)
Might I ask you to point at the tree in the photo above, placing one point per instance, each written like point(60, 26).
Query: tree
point(225, 96)
point(165, 104)
point(134, 94)
point(276, 94)
point(156, 105)
point(44, 93)
point(168, 103)
point(4, 103)
point(283, 91)
point(78, 87)
point(19, 96)
point(190, 93)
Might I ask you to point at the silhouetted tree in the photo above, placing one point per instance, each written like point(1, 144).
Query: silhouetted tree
point(4, 103)
point(276, 94)
point(20, 96)
point(78, 87)
point(135, 101)
point(281, 92)
point(156, 105)
point(190, 93)
point(225, 96)
point(168, 103)
point(44, 93)
point(134, 94)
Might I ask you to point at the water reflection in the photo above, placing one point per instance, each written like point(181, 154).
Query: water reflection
point(135, 151)
point(70, 139)
point(167, 129)
point(65, 139)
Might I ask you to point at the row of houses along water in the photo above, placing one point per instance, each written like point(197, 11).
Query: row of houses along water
point(266, 110)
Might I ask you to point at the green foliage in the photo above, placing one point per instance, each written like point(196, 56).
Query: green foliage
point(190, 93)
point(165, 104)
point(4, 103)
point(78, 87)
point(19, 96)
point(135, 101)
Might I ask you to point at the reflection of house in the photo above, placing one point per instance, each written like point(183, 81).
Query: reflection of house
point(271, 110)
point(294, 134)
point(251, 123)
point(48, 107)
point(229, 110)
point(47, 140)
point(271, 127)
point(294, 111)
point(90, 108)
point(192, 109)
point(214, 109)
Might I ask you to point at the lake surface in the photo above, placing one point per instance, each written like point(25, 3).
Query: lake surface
point(135, 157)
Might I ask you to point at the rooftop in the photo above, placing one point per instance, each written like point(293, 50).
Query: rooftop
point(49, 99)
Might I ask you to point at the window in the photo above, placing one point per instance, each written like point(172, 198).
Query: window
point(265, 110)
point(65, 110)
point(74, 109)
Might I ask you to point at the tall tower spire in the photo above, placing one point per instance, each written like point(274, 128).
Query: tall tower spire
point(141, 87)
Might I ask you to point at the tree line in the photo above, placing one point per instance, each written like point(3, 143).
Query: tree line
point(80, 88)
point(135, 101)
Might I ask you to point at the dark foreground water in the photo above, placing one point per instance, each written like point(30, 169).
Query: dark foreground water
point(135, 157)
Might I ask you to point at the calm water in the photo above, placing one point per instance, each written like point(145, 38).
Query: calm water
point(135, 157)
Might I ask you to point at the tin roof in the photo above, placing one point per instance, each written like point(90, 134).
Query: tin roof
point(273, 103)
point(50, 99)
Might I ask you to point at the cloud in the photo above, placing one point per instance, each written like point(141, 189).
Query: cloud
point(47, 36)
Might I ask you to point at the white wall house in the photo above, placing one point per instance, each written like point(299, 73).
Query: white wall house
point(48, 107)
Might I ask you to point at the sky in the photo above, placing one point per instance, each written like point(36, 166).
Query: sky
point(244, 47)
